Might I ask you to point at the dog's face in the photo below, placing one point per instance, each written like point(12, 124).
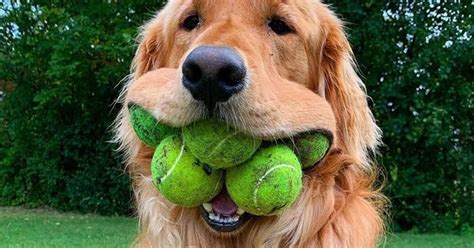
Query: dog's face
point(270, 68)
point(245, 61)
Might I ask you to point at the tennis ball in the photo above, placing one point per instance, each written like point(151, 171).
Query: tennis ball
point(268, 183)
point(180, 177)
point(311, 148)
point(217, 144)
point(147, 128)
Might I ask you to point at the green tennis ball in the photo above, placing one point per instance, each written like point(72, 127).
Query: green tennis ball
point(219, 145)
point(180, 177)
point(311, 148)
point(268, 183)
point(147, 128)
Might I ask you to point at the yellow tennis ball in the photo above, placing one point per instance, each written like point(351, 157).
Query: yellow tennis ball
point(218, 144)
point(311, 148)
point(268, 183)
point(147, 128)
point(180, 177)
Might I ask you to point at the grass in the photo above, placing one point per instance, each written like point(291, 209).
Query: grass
point(406, 240)
point(46, 228)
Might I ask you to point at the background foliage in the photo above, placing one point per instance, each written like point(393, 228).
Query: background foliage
point(60, 64)
point(416, 57)
point(59, 67)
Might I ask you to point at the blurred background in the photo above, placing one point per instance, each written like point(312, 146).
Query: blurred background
point(61, 65)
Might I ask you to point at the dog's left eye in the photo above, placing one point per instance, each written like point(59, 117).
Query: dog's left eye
point(191, 22)
point(279, 26)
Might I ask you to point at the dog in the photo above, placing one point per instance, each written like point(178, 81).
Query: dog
point(272, 69)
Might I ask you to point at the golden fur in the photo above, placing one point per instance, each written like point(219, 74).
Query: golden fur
point(297, 82)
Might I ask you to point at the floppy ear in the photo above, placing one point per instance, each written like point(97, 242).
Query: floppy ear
point(150, 55)
point(151, 49)
point(345, 92)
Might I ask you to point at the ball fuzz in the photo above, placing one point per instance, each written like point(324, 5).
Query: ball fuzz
point(148, 129)
point(218, 144)
point(311, 148)
point(268, 183)
point(181, 178)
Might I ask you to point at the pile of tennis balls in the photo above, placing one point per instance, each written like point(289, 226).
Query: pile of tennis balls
point(191, 164)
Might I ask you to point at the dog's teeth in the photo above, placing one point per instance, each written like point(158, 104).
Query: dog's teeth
point(224, 219)
point(213, 216)
point(207, 207)
point(240, 211)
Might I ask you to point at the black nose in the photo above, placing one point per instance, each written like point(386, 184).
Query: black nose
point(213, 74)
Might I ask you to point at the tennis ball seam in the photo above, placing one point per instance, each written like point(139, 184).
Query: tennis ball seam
point(174, 165)
point(221, 143)
point(260, 180)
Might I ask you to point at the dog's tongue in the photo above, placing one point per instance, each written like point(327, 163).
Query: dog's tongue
point(222, 204)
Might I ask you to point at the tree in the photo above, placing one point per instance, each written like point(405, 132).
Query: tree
point(64, 62)
point(416, 57)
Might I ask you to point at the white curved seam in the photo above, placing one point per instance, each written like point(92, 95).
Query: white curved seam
point(221, 143)
point(260, 180)
point(174, 164)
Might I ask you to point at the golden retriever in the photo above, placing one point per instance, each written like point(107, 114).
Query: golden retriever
point(272, 69)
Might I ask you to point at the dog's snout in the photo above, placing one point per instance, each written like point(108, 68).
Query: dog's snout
point(213, 74)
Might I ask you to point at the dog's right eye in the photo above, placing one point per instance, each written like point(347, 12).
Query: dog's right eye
point(279, 26)
point(191, 22)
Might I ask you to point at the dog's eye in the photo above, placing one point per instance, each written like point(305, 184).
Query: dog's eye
point(191, 22)
point(279, 26)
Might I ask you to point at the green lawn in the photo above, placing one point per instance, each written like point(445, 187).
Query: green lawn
point(405, 240)
point(46, 228)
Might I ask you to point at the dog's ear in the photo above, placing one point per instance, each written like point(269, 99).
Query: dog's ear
point(345, 91)
point(151, 49)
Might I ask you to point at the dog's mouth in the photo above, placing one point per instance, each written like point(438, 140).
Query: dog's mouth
point(222, 214)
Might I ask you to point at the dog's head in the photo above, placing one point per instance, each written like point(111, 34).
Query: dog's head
point(270, 68)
